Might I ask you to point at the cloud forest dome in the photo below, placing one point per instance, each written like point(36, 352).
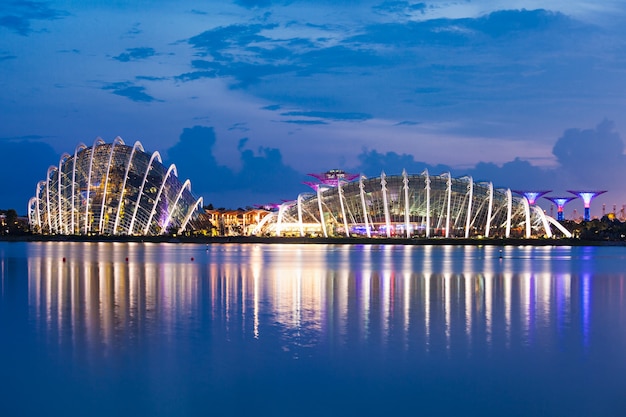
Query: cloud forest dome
point(410, 206)
point(112, 189)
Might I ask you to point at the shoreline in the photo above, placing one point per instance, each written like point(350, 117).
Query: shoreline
point(316, 240)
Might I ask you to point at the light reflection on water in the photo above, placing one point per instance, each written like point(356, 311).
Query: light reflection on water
point(455, 297)
point(282, 323)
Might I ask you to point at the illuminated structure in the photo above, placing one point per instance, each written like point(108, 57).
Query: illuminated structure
point(112, 189)
point(532, 196)
point(560, 203)
point(408, 206)
point(587, 196)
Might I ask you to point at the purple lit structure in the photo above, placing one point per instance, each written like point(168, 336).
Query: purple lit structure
point(532, 196)
point(587, 196)
point(560, 202)
point(331, 178)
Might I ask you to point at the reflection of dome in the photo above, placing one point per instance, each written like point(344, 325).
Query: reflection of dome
point(112, 189)
point(409, 206)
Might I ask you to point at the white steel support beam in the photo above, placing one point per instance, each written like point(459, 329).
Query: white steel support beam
point(50, 169)
point(157, 156)
point(136, 146)
point(383, 189)
point(188, 217)
point(509, 210)
point(449, 194)
point(117, 140)
point(544, 220)
point(405, 181)
point(172, 168)
point(489, 211)
point(319, 204)
point(170, 212)
point(527, 215)
point(364, 206)
point(343, 209)
point(73, 222)
point(300, 225)
point(97, 142)
point(427, 187)
point(64, 157)
point(468, 221)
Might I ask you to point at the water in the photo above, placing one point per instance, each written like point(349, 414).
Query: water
point(310, 330)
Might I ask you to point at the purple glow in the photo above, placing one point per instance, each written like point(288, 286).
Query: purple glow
point(532, 196)
point(313, 185)
point(587, 196)
point(333, 177)
point(560, 202)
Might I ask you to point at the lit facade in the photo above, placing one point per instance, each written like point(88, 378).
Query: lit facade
point(405, 205)
point(112, 189)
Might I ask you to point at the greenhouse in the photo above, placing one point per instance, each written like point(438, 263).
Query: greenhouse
point(112, 189)
point(420, 205)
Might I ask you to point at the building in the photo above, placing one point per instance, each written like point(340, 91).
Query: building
point(113, 189)
point(418, 205)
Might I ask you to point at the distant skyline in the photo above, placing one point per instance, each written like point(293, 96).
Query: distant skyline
point(247, 97)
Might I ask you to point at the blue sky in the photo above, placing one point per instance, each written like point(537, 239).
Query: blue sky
point(247, 97)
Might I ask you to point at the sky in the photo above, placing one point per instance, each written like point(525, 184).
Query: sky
point(247, 97)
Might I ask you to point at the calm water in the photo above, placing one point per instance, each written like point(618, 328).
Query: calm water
point(286, 330)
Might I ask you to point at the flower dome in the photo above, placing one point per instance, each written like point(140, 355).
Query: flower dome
point(112, 189)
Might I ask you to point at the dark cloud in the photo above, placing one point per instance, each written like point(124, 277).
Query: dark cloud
point(412, 59)
point(265, 171)
point(305, 122)
point(588, 155)
point(23, 176)
point(402, 8)
point(504, 22)
point(516, 174)
point(216, 41)
point(272, 107)
point(263, 175)
point(193, 156)
point(150, 78)
point(588, 159)
point(134, 54)
point(372, 163)
point(336, 116)
point(406, 123)
point(7, 57)
point(18, 16)
point(129, 90)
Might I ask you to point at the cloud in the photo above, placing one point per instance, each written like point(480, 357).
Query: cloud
point(372, 163)
point(305, 122)
point(336, 116)
point(23, 176)
point(251, 4)
point(592, 156)
point(401, 8)
point(18, 15)
point(193, 156)
point(272, 107)
point(263, 176)
point(134, 54)
point(517, 174)
point(133, 92)
point(7, 57)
